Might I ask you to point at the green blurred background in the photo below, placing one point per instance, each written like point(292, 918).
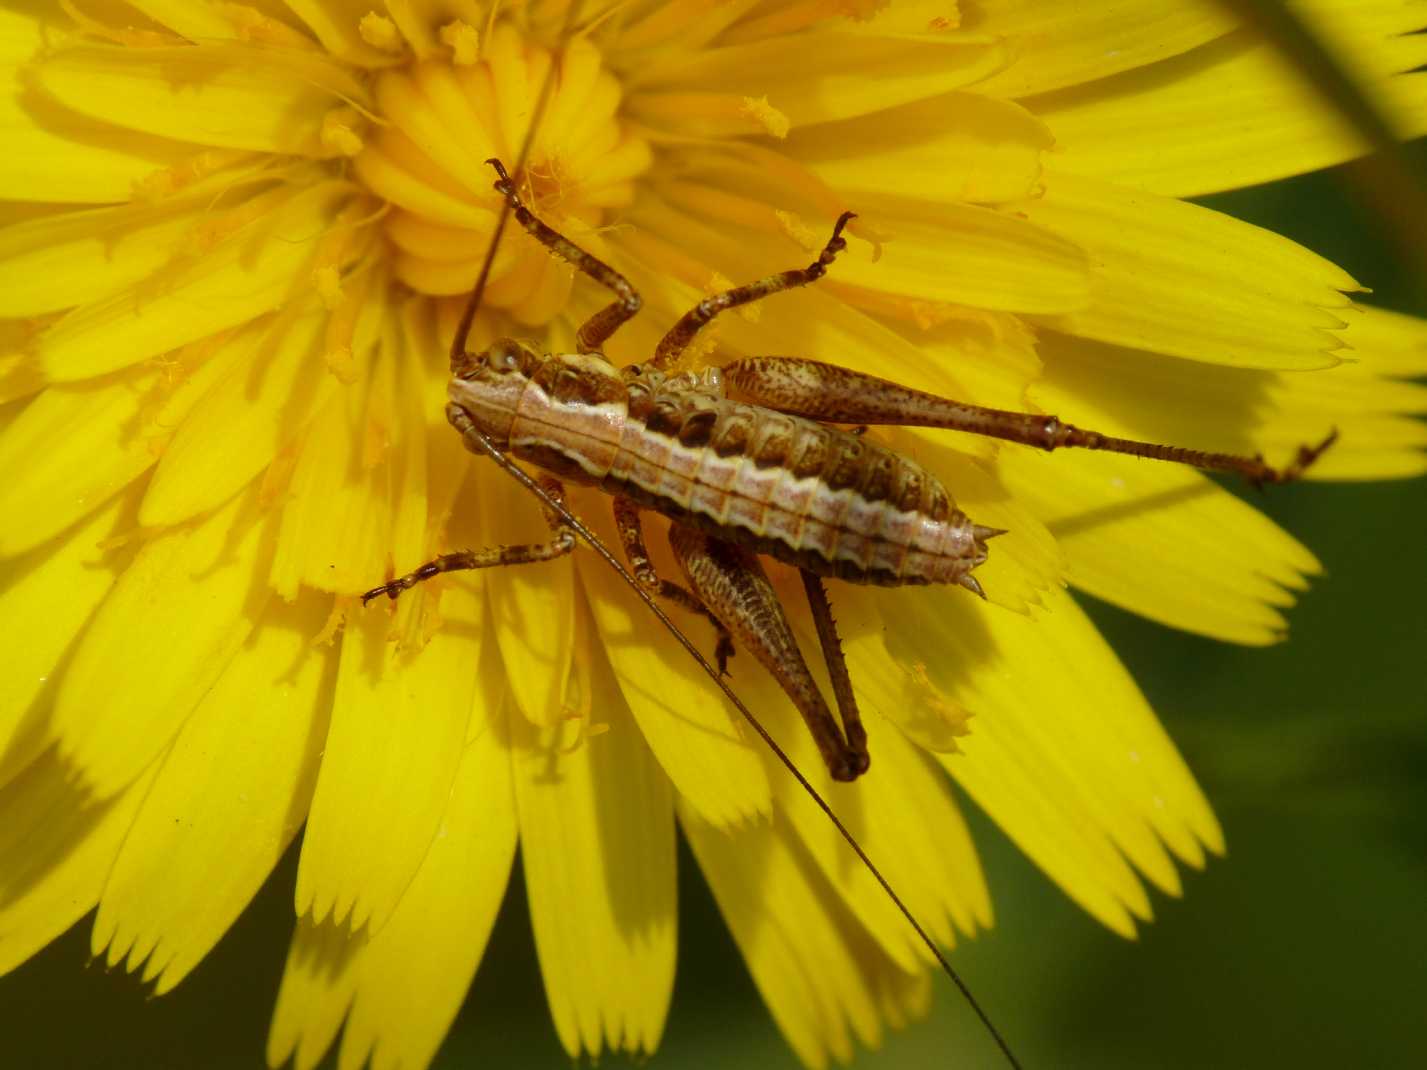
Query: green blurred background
point(1307, 946)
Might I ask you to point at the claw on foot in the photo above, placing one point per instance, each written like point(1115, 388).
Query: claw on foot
point(391, 590)
point(722, 652)
point(1304, 460)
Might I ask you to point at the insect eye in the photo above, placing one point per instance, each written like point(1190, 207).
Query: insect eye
point(635, 369)
point(505, 358)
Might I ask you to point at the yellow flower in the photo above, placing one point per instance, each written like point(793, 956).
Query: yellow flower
point(239, 238)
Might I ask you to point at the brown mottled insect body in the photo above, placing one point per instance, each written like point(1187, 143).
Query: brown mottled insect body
point(809, 495)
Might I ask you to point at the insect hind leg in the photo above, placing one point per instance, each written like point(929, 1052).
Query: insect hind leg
point(836, 663)
point(596, 330)
point(561, 544)
point(693, 321)
point(830, 394)
point(730, 580)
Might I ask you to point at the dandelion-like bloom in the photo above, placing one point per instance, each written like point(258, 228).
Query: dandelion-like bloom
point(238, 243)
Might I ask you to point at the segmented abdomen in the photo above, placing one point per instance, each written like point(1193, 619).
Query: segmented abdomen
point(809, 495)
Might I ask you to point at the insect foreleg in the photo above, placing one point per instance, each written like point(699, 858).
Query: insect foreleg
point(825, 392)
point(596, 330)
point(683, 332)
point(627, 519)
point(526, 554)
point(730, 580)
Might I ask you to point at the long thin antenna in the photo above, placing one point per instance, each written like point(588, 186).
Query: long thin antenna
point(458, 349)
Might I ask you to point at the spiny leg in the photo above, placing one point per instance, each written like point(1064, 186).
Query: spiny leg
point(730, 581)
point(628, 520)
point(831, 394)
point(596, 330)
point(836, 668)
point(683, 332)
point(526, 554)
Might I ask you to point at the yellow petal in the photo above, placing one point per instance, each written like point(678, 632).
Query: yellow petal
point(260, 404)
point(1166, 543)
point(230, 796)
point(415, 971)
point(822, 978)
point(1064, 753)
point(446, 127)
point(68, 451)
point(1051, 44)
point(533, 605)
point(1237, 112)
point(701, 744)
point(684, 25)
point(398, 724)
point(49, 594)
point(56, 849)
point(1161, 539)
point(1369, 402)
point(357, 502)
point(597, 840)
point(962, 146)
point(54, 155)
point(1176, 278)
point(59, 261)
point(965, 254)
point(896, 691)
point(1389, 343)
point(19, 375)
point(227, 95)
point(197, 22)
point(813, 77)
point(318, 983)
point(76, 444)
point(253, 270)
point(159, 641)
point(948, 253)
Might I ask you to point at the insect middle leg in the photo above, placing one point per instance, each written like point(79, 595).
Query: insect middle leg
point(526, 554)
point(694, 320)
point(830, 394)
point(628, 520)
point(596, 330)
point(730, 580)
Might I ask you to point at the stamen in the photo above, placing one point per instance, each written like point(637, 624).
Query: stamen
point(339, 132)
point(252, 25)
point(463, 40)
point(170, 180)
point(381, 33)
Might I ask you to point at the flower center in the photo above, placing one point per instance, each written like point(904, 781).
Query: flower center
point(443, 119)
